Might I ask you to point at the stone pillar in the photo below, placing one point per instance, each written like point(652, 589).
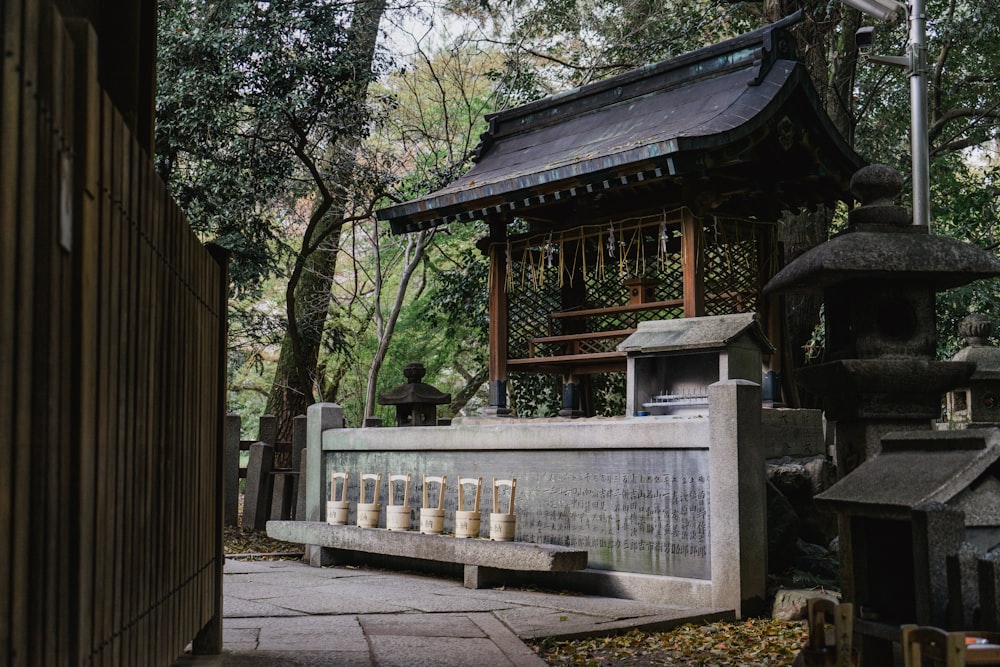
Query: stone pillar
point(319, 417)
point(738, 498)
point(231, 470)
point(267, 429)
point(299, 429)
point(989, 592)
point(938, 532)
point(963, 587)
point(257, 499)
point(300, 488)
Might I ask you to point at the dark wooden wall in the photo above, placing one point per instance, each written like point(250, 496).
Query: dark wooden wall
point(112, 331)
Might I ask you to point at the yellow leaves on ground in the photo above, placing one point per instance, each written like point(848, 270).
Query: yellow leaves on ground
point(753, 643)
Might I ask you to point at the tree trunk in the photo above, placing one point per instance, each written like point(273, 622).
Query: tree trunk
point(309, 293)
point(293, 386)
point(831, 69)
point(415, 247)
point(470, 389)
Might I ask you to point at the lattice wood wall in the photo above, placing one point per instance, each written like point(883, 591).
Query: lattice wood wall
point(593, 262)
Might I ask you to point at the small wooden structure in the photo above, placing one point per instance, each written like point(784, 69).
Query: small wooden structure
point(650, 195)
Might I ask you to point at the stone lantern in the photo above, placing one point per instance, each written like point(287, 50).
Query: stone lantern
point(977, 402)
point(416, 402)
point(878, 280)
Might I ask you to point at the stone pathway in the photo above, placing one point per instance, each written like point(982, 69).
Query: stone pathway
point(288, 613)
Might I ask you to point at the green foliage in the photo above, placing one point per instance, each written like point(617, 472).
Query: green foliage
point(552, 44)
point(535, 395)
point(609, 394)
point(965, 199)
point(459, 298)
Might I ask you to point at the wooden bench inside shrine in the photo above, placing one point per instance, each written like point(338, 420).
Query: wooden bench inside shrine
point(593, 347)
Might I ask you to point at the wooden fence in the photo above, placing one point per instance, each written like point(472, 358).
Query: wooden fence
point(271, 475)
point(112, 362)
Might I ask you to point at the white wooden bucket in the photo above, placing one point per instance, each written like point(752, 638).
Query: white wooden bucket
point(338, 509)
point(397, 517)
point(467, 523)
point(432, 518)
point(503, 524)
point(368, 513)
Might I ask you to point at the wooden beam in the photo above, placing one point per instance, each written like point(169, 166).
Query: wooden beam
point(692, 250)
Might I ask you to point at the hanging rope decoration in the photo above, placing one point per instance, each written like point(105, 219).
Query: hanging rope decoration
point(664, 241)
point(566, 252)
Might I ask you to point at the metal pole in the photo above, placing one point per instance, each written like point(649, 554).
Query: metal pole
point(918, 114)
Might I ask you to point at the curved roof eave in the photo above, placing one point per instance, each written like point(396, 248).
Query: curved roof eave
point(637, 139)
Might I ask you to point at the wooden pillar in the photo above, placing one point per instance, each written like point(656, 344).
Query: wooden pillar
point(692, 261)
point(498, 320)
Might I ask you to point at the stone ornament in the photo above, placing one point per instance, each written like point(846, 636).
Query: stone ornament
point(368, 513)
point(397, 517)
point(432, 518)
point(337, 510)
point(976, 329)
point(467, 522)
point(502, 525)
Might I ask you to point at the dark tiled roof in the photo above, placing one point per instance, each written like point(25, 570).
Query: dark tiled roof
point(739, 120)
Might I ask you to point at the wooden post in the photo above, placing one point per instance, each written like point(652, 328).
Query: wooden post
point(299, 434)
point(692, 261)
point(498, 320)
point(267, 430)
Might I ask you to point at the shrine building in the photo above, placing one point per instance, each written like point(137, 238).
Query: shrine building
point(650, 195)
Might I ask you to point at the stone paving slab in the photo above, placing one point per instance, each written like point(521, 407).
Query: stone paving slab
point(233, 658)
point(312, 603)
point(421, 625)
point(391, 651)
point(233, 607)
point(444, 603)
point(312, 633)
point(508, 643)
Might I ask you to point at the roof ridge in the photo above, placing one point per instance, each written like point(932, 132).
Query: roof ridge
point(757, 48)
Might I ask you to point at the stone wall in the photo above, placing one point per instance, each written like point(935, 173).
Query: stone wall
point(667, 508)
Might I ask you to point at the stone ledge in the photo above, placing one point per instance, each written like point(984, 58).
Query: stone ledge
point(480, 557)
